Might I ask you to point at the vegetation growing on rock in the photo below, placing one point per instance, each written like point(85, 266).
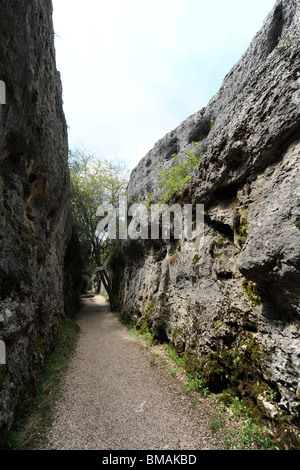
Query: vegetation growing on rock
point(172, 180)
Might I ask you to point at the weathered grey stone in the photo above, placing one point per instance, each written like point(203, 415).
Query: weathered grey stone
point(2, 352)
point(35, 219)
point(232, 308)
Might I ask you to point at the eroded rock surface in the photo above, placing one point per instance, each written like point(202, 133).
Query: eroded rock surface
point(232, 308)
point(35, 224)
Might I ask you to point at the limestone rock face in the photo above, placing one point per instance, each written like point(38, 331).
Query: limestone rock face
point(35, 224)
point(232, 308)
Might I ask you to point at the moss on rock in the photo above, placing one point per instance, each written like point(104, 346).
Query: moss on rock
point(252, 292)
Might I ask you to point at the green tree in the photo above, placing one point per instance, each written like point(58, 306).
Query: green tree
point(94, 181)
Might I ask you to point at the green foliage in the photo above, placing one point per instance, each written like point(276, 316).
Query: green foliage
point(236, 406)
point(242, 232)
point(147, 202)
point(106, 298)
point(94, 182)
point(297, 223)
point(174, 356)
point(173, 179)
point(251, 434)
point(252, 292)
point(271, 394)
point(287, 40)
point(195, 384)
point(137, 333)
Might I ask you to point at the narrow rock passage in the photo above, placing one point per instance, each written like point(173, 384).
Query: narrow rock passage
point(113, 399)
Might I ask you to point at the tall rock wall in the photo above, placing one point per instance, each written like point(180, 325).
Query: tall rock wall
point(35, 223)
point(232, 308)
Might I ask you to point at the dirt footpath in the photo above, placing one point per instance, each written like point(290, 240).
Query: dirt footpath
point(115, 396)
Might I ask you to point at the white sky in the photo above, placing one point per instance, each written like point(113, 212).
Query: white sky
point(133, 70)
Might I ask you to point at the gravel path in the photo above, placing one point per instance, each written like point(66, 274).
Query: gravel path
point(114, 397)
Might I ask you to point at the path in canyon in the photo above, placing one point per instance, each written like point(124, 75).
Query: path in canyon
point(118, 396)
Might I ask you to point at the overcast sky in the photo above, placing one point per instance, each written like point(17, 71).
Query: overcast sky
point(133, 70)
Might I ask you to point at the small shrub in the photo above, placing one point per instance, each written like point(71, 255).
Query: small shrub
point(172, 180)
point(195, 384)
point(252, 292)
point(242, 232)
point(174, 356)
